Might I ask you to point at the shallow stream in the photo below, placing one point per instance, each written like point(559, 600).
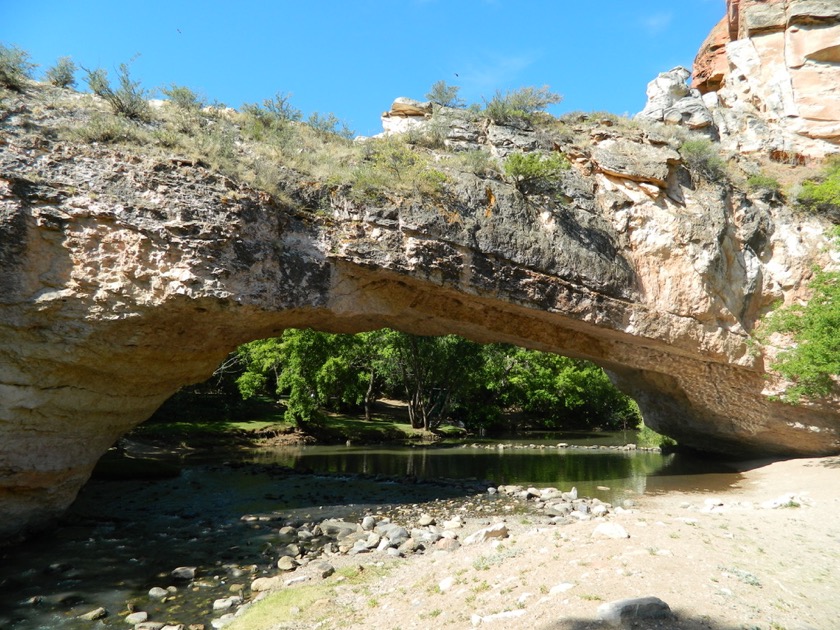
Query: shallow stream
point(123, 537)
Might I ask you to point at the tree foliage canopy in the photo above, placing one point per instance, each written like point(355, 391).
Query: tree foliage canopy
point(813, 362)
point(446, 378)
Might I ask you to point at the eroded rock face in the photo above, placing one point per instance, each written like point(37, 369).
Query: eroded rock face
point(771, 71)
point(124, 276)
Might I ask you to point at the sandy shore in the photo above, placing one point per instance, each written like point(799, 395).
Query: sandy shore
point(723, 562)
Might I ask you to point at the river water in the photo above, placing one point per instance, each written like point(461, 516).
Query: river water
point(124, 536)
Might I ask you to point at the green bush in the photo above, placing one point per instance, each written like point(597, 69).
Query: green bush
point(823, 194)
point(531, 170)
point(15, 68)
point(330, 124)
point(478, 162)
point(128, 99)
point(812, 363)
point(183, 98)
point(521, 104)
point(648, 438)
point(62, 74)
point(110, 129)
point(760, 181)
point(444, 95)
point(702, 159)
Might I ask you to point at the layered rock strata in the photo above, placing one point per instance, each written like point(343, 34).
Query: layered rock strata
point(770, 74)
point(125, 275)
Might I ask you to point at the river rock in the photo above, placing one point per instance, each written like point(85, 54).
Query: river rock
point(287, 564)
point(338, 529)
point(497, 530)
point(93, 615)
point(610, 530)
point(368, 523)
point(620, 611)
point(156, 592)
point(226, 603)
point(183, 573)
point(266, 584)
point(426, 519)
point(287, 534)
point(136, 617)
point(291, 550)
point(221, 622)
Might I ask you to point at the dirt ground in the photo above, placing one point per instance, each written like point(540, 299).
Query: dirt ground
point(721, 562)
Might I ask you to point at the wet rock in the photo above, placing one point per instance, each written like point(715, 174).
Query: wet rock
point(291, 551)
point(156, 592)
point(227, 603)
point(618, 612)
point(137, 617)
point(93, 615)
point(183, 573)
point(287, 534)
point(338, 529)
point(610, 530)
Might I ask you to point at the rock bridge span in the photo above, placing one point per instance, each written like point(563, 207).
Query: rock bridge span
point(124, 277)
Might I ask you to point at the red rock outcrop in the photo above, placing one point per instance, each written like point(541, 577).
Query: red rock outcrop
point(776, 61)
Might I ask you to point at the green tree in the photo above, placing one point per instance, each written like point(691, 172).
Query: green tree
point(444, 95)
point(812, 363)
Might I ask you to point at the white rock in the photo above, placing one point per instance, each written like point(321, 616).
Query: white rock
point(610, 530)
point(497, 530)
point(446, 583)
point(561, 588)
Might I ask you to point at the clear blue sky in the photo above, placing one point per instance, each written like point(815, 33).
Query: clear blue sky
point(353, 57)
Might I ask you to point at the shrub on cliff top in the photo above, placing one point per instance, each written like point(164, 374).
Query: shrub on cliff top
point(128, 99)
point(15, 67)
point(62, 74)
point(521, 104)
point(445, 95)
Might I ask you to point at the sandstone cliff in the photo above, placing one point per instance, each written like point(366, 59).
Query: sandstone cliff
point(770, 72)
point(130, 266)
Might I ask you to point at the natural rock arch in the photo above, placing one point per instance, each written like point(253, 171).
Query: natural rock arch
point(124, 277)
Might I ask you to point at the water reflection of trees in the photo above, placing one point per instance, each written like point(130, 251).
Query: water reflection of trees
point(541, 467)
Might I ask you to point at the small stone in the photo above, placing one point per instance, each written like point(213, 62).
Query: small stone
point(368, 523)
point(222, 621)
point(156, 592)
point(324, 569)
point(446, 583)
point(137, 617)
point(610, 530)
point(93, 615)
point(617, 612)
point(447, 544)
point(425, 520)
